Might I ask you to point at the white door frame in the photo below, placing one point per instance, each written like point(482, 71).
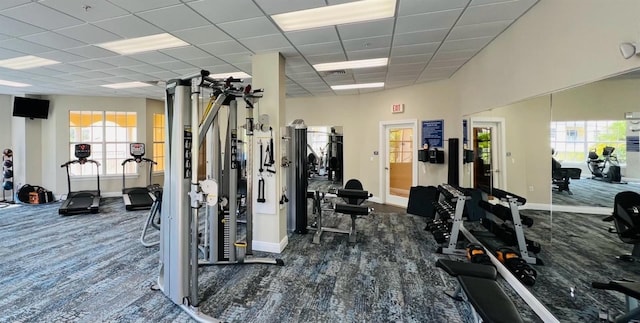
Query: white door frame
point(498, 155)
point(382, 148)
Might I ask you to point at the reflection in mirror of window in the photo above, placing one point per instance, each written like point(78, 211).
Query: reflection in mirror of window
point(572, 140)
point(158, 141)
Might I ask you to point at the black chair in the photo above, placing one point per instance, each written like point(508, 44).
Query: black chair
point(626, 218)
point(353, 184)
point(561, 178)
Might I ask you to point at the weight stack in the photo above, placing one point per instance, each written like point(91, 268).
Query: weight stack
point(454, 162)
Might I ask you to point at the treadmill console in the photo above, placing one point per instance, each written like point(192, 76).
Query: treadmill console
point(137, 151)
point(82, 151)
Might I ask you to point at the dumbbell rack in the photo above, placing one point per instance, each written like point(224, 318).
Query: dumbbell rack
point(450, 207)
point(7, 179)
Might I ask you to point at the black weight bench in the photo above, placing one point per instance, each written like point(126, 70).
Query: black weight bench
point(482, 291)
point(561, 178)
point(354, 210)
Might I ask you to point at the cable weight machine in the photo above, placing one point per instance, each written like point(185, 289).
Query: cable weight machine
point(182, 246)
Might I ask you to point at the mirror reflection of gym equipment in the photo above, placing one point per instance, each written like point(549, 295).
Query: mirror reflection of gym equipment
point(324, 156)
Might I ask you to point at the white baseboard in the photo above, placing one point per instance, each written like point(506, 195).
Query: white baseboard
point(375, 199)
point(568, 208)
point(270, 246)
point(111, 194)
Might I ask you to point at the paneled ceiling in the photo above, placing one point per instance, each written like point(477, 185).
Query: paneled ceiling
point(426, 40)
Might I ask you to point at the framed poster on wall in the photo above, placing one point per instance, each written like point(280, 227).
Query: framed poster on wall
point(432, 133)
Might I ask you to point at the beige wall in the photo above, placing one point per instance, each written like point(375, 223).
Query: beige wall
point(556, 45)
point(360, 117)
point(6, 109)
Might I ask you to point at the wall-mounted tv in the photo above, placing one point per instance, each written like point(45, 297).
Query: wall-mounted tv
point(30, 108)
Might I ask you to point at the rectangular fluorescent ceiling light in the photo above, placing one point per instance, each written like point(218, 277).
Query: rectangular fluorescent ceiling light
point(346, 13)
point(24, 62)
point(126, 85)
point(357, 86)
point(13, 84)
point(143, 44)
point(235, 75)
point(363, 63)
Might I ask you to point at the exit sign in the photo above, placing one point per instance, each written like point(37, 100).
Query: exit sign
point(397, 108)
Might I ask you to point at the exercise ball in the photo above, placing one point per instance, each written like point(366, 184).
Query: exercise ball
point(8, 152)
point(8, 163)
point(8, 185)
point(7, 173)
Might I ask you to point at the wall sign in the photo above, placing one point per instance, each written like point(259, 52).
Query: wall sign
point(397, 108)
point(465, 133)
point(432, 133)
point(633, 143)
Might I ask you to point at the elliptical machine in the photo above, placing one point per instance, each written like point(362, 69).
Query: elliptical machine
point(606, 168)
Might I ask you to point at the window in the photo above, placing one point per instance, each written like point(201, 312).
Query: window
point(158, 141)
point(401, 145)
point(572, 140)
point(109, 133)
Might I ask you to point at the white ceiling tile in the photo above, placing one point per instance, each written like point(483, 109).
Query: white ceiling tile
point(322, 48)
point(165, 75)
point(165, 18)
point(407, 68)
point(53, 40)
point(412, 7)
point(94, 65)
point(176, 65)
point(420, 37)
point(230, 11)
point(480, 30)
point(121, 61)
point(225, 48)
point(24, 46)
point(4, 4)
point(93, 74)
point(327, 58)
point(410, 59)
point(120, 72)
point(295, 61)
point(427, 21)
point(367, 43)
point(205, 62)
point(371, 70)
point(313, 36)
point(419, 49)
point(86, 10)
point(236, 58)
point(465, 44)
point(17, 28)
point(494, 12)
point(91, 52)
point(475, 3)
point(458, 54)
point(41, 16)
point(202, 35)
point(272, 7)
point(129, 27)
point(146, 69)
point(300, 69)
point(375, 28)
point(145, 5)
point(253, 27)
point(187, 52)
point(67, 68)
point(265, 43)
point(369, 53)
point(89, 34)
point(63, 56)
point(152, 57)
point(449, 63)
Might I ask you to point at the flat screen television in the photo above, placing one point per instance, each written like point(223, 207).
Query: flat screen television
point(30, 108)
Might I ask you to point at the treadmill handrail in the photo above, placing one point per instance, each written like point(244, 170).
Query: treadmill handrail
point(143, 159)
point(77, 161)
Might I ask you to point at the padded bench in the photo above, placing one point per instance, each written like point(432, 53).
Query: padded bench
point(482, 291)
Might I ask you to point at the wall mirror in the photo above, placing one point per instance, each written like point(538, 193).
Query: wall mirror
point(577, 246)
point(324, 157)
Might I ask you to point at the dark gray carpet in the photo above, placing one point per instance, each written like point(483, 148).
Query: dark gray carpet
point(91, 268)
point(591, 192)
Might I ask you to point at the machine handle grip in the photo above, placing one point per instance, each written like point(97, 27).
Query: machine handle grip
point(126, 161)
point(150, 161)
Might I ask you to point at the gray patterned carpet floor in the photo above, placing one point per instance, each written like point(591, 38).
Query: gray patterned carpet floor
point(591, 192)
point(91, 268)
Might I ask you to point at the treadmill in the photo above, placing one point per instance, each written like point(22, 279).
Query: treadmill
point(138, 198)
point(81, 201)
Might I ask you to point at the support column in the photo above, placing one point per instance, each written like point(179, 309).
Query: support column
point(269, 219)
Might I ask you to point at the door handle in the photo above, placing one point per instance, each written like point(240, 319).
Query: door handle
point(386, 168)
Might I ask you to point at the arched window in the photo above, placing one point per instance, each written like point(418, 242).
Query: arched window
point(109, 133)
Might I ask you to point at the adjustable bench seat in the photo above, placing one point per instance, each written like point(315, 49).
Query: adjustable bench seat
point(482, 291)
